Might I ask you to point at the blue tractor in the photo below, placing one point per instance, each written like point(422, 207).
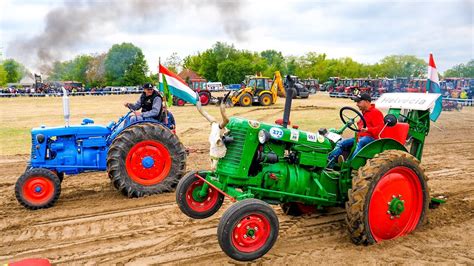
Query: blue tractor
point(141, 158)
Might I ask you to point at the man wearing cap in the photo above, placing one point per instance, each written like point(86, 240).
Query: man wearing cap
point(150, 102)
point(374, 120)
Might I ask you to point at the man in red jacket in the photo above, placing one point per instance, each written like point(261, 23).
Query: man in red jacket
point(374, 119)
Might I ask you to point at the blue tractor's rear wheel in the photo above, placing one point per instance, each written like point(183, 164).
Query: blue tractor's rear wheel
point(146, 159)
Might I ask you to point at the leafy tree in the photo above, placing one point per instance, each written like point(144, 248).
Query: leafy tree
point(461, 70)
point(15, 71)
point(173, 62)
point(402, 66)
point(234, 71)
point(3, 76)
point(95, 74)
point(119, 60)
point(75, 69)
point(136, 72)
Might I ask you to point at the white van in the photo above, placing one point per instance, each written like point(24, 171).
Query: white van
point(214, 86)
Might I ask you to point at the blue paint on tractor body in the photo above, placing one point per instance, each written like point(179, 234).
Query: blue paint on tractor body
point(77, 148)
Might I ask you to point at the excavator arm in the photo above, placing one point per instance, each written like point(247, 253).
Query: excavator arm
point(277, 88)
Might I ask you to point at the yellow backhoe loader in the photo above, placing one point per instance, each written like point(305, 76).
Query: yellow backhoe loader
point(259, 90)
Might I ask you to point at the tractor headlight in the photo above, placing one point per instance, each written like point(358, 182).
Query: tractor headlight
point(40, 138)
point(263, 136)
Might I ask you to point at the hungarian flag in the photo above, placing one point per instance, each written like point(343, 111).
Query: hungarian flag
point(172, 85)
point(432, 85)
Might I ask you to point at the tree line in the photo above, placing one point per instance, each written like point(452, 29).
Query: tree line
point(125, 65)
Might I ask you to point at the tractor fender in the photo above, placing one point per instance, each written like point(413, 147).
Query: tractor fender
point(263, 92)
point(374, 148)
point(117, 131)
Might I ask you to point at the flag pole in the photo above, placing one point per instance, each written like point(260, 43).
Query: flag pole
point(165, 102)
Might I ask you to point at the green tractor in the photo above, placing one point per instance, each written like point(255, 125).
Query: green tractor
point(383, 188)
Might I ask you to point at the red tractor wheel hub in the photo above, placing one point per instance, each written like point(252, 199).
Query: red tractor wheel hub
point(181, 102)
point(204, 98)
point(396, 204)
point(148, 162)
point(251, 233)
point(201, 203)
point(38, 190)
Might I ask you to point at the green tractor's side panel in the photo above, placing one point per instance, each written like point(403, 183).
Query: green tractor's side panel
point(287, 167)
point(241, 151)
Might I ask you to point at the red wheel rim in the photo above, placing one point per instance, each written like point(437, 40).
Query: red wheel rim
point(399, 184)
point(148, 162)
point(181, 102)
point(204, 98)
point(251, 233)
point(204, 203)
point(38, 190)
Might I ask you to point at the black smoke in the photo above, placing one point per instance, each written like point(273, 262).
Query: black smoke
point(75, 22)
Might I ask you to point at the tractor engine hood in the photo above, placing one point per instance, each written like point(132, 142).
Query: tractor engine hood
point(78, 130)
point(279, 133)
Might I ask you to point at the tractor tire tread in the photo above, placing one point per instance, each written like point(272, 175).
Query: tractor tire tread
point(122, 144)
point(364, 180)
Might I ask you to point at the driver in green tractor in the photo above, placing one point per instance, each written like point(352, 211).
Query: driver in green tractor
point(375, 122)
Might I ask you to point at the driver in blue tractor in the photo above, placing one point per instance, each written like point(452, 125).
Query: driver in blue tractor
point(151, 104)
point(375, 123)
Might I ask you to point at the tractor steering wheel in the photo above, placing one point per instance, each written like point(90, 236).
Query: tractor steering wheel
point(351, 121)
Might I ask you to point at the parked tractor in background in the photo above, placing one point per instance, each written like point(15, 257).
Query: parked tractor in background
point(330, 84)
point(199, 86)
point(299, 89)
point(312, 85)
point(383, 188)
point(416, 85)
point(259, 90)
point(141, 157)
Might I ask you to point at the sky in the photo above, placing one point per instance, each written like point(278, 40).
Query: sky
point(37, 32)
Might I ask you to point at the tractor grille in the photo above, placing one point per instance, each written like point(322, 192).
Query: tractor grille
point(232, 161)
point(33, 143)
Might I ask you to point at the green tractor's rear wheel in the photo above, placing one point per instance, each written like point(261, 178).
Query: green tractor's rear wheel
point(248, 230)
point(190, 200)
point(389, 198)
point(245, 100)
point(38, 188)
point(146, 159)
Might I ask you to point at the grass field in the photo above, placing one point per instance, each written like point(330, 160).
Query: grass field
point(19, 115)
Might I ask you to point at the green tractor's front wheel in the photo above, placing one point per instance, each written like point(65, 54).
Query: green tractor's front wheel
point(389, 198)
point(248, 230)
point(146, 159)
point(193, 202)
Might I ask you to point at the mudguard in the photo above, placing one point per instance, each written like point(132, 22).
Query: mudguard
point(373, 148)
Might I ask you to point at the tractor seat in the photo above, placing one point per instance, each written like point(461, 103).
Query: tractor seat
point(398, 132)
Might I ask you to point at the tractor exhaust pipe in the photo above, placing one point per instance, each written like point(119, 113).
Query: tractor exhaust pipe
point(289, 98)
point(66, 106)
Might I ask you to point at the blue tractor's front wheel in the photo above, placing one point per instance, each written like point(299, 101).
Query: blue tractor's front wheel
point(38, 188)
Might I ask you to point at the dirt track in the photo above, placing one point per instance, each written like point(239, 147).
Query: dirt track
point(94, 224)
